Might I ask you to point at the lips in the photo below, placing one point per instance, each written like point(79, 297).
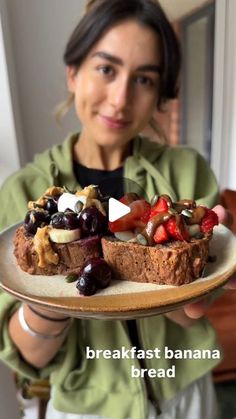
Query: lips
point(114, 123)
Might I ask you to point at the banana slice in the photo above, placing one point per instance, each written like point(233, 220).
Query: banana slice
point(64, 236)
point(124, 236)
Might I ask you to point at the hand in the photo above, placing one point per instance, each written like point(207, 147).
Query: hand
point(188, 315)
point(191, 312)
point(225, 216)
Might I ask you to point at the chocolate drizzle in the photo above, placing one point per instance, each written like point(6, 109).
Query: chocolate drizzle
point(152, 225)
point(184, 204)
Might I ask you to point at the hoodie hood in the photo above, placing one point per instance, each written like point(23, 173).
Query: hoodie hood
point(159, 169)
point(56, 165)
point(142, 167)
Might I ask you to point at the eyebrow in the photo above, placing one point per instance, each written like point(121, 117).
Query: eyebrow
point(116, 60)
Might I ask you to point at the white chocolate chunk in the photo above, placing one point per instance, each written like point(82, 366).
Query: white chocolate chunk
point(68, 200)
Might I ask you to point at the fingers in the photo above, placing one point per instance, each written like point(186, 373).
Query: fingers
point(191, 312)
point(225, 216)
point(198, 309)
point(231, 284)
point(179, 317)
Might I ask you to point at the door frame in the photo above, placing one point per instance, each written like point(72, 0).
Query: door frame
point(224, 95)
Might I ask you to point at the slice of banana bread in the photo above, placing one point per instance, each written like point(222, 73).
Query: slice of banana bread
point(174, 263)
point(70, 257)
point(61, 231)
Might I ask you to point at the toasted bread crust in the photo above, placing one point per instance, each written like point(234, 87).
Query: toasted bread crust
point(72, 256)
point(177, 263)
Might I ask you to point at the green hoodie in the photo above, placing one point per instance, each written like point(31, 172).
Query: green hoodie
point(105, 386)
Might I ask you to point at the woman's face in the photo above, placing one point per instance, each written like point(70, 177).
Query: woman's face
point(116, 87)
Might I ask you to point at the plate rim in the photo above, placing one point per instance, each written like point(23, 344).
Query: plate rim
point(124, 303)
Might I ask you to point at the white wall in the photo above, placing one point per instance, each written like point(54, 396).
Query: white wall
point(224, 99)
point(39, 30)
point(9, 156)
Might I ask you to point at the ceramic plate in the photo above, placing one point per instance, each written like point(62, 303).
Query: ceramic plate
point(123, 299)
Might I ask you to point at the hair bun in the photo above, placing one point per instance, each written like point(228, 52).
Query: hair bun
point(91, 3)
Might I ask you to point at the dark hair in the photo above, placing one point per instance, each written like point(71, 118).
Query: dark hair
point(106, 13)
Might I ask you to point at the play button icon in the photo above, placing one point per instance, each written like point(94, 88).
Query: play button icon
point(116, 209)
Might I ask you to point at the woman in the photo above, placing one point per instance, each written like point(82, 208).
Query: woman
point(122, 62)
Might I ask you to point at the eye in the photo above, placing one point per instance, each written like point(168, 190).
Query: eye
point(144, 81)
point(106, 70)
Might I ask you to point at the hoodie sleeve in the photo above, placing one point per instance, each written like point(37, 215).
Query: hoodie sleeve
point(189, 175)
point(26, 184)
point(9, 353)
point(179, 171)
point(18, 189)
point(53, 167)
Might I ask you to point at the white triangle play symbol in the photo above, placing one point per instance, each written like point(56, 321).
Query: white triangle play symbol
point(116, 209)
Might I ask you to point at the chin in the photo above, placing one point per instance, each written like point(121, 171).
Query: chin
point(112, 141)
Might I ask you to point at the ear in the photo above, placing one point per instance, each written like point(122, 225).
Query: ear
point(71, 78)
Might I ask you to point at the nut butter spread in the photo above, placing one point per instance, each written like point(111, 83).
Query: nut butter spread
point(197, 215)
point(91, 194)
point(42, 240)
point(52, 191)
point(44, 248)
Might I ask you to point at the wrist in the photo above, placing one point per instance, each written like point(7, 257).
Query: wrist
point(52, 315)
point(48, 315)
point(43, 325)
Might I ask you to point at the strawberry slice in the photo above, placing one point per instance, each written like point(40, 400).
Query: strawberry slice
point(161, 235)
point(128, 198)
point(160, 206)
point(209, 220)
point(141, 210)
point(124, 223)
point(177, 229)
point(138, 217)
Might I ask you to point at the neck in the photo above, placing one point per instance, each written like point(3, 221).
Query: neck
point(94, 156)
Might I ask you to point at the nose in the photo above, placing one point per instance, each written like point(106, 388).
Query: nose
point(120, 94)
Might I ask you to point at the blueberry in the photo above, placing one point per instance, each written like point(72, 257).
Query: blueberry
point(51, 205)
point(57, 220)
point(92, 221)
point(99, 269)
point(35, 219)
point(86, 285)
point(71, 221)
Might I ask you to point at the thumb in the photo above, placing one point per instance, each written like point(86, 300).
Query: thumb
point(231, 284)
point(225, 216)
point(198, 309)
